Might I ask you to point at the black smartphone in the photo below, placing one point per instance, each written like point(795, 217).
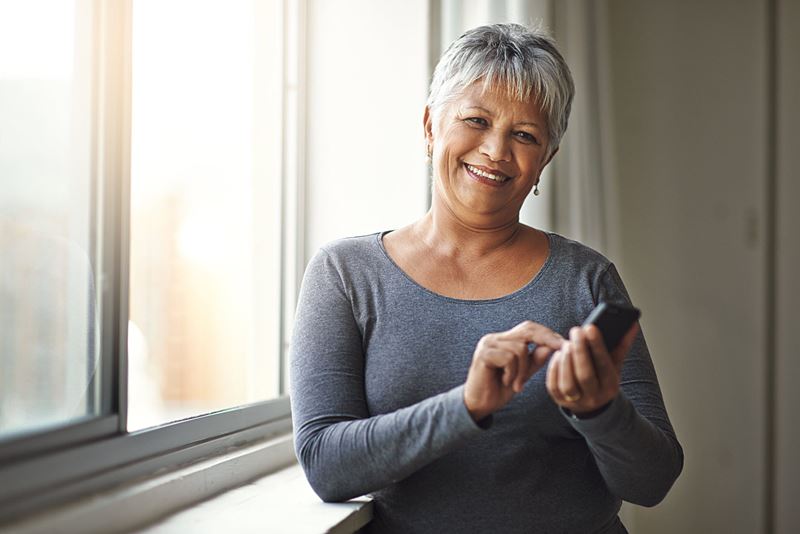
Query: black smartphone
point(613, 320)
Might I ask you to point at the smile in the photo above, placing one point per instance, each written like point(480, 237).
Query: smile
point(484, 174)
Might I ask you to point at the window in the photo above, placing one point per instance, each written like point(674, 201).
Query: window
point(49, 351)
point(194, 173)
point(204, 328)
point(147, 236)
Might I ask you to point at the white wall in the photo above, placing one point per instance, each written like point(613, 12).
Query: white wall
point(367, 85)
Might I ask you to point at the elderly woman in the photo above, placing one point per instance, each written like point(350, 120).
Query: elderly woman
point(439, 367)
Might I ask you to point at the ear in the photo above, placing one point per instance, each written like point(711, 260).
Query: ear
point(427, 124)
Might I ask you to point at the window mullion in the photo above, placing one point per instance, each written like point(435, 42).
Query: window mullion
point(293, 248)
point(114, 156)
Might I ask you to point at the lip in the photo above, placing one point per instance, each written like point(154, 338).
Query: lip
point(483, 180)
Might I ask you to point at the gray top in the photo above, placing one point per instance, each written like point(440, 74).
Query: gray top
point(377, 372)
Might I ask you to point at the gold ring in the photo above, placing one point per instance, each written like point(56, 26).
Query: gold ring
point(572, 398)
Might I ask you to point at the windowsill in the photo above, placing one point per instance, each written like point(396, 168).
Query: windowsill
point(279, 502)
point(214, 495)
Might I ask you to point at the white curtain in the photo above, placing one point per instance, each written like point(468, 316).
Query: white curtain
point(585, 196)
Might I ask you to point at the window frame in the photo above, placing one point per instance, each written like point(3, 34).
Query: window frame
point(63, 462)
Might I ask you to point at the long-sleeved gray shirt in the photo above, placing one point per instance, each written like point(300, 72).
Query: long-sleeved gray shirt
point(377, 372)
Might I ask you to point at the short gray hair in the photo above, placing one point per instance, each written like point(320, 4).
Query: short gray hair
point(522, 61)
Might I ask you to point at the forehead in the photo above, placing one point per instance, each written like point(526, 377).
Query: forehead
point(497, 100)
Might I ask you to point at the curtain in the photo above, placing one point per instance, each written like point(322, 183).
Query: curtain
point(585, 190)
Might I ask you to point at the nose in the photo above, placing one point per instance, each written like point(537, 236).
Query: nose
point(496, 146)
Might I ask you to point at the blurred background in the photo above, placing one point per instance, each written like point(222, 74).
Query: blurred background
point(260, 123)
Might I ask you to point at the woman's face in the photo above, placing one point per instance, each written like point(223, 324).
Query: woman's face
point(487, 154)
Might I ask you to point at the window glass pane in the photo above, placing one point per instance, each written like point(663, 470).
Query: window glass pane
point(48, 300)
point(205, 207)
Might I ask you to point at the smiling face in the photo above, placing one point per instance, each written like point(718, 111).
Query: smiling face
point(487, 154)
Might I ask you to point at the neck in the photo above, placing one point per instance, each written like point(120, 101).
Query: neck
point(443, 231)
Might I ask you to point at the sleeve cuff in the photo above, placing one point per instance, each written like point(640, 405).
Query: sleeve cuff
point(463, 420)
point(612, 419)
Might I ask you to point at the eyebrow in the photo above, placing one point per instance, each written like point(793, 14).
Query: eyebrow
point(490, 113)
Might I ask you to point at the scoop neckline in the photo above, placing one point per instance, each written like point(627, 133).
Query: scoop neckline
point(532, 282)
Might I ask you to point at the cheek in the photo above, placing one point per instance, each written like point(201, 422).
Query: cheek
point(449, 156)
point(447, 167)
point(533, 164)
point(456, 137)
point(452, 143)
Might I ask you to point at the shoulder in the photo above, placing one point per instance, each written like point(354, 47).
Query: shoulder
point(569, 251)
point(349, 250)
point(348, 259)
point(592, 273)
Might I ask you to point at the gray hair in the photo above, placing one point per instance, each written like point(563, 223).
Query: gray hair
point(522, 61)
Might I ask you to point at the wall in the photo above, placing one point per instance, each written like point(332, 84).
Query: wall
point(691, 97)
point(366, 96)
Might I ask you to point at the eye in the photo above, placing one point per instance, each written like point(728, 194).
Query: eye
point(477, 121)
point(526, 137)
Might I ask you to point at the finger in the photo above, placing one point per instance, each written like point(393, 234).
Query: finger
point(618, 355)
point(484, 344)
point(540, 356)
point(531, 369)
point(510, 371)
point(501, 360)
point(495, 358)
point(552, 376)
point(567, 384)
point(524, 363)
point(584, 368)
point(514, 346)
point(534, 333)
point(519, 371)
point(603, 365)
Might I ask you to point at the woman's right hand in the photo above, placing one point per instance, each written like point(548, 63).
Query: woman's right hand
point(502, 364)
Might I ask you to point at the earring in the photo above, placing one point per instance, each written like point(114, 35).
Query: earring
point(536, 190)
point(429, 152)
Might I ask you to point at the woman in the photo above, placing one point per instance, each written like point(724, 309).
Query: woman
point(413, 377)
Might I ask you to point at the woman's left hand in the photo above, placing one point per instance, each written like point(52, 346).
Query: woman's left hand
point(583, 376)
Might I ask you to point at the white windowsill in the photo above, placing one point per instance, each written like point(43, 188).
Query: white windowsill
point(280, 502)
point(214, 495)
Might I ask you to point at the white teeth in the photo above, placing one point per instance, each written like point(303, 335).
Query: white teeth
point(495, 177)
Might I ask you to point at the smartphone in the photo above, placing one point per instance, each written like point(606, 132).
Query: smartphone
point(613, 320)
